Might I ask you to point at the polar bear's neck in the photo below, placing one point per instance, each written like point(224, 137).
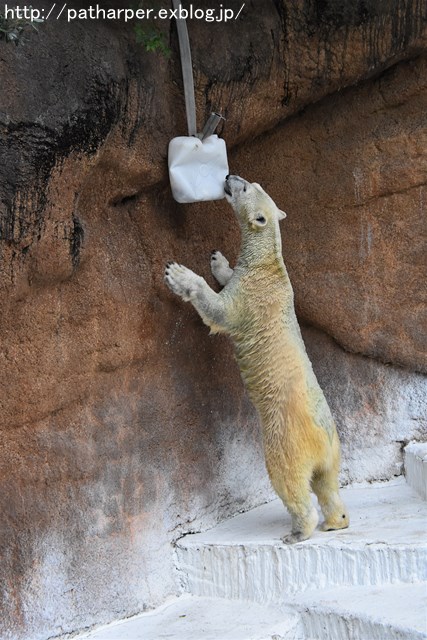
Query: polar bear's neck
point(260, 248)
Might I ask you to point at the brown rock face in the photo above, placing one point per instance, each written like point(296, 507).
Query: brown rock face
point(352, 175)
point(122, 423)
point(377, 408)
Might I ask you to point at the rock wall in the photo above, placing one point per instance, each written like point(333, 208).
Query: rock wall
point(378, 408)
point(351, 172)
point(115, 438)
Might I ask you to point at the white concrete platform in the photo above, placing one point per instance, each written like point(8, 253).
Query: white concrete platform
point(244, 558)
point(396, 612)
point(364, 583)
point(192, 618)
point(416, 467)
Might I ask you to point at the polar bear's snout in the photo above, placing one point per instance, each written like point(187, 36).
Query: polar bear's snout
point(249, 199)
point(234, 185)
point(227, 187)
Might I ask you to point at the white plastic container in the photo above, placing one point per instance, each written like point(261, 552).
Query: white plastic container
point(197, 169)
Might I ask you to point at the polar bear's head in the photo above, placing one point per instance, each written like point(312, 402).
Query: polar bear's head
point(252, 205)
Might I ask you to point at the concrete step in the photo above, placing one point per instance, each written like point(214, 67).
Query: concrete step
point(387, 613)
point(416, 467)
point(363, 583)
point(245, 559)
point(192, 618)
point(396, 612)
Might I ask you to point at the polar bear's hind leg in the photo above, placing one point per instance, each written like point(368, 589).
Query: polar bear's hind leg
point(325, 486)
point(295, 495)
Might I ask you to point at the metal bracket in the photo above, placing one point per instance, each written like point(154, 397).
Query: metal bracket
point(188, 81)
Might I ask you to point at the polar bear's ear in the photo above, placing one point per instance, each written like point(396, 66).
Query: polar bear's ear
point(282, 214)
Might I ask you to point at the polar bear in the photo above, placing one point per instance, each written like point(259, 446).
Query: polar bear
point(256, 309)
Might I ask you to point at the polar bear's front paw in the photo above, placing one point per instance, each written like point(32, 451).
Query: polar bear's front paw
point(220, 268)
point(181, 280)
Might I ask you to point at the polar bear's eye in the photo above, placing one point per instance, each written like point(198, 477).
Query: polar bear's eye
point(244, 189)
point(261, 220)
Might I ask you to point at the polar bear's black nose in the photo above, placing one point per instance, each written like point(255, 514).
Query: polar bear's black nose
point(226, 177)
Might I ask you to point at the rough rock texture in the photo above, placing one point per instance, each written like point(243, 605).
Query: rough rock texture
point(115, 438)
point(377, 408)
point(352, 175)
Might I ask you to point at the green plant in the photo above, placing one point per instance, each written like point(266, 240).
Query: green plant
point(149, 35)
point(12, 29)
point(152, 39)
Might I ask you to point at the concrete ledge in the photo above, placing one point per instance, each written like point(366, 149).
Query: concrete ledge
point(190, 618)
point(416, 467)
point(362, 583)
point(392, 613)
point(395, 612)
point(244, 558)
